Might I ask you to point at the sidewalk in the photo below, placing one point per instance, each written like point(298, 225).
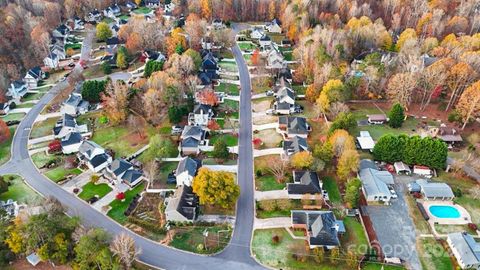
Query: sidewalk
point(271, 195)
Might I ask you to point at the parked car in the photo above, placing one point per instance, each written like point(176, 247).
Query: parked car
point(171, 179)
point(392, 191)
point(177, 130)
point(269, 93)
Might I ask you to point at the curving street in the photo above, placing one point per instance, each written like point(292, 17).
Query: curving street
point(235, 256)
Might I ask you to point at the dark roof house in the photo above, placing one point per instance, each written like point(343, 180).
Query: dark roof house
point(304, 182)
point(183, 206)
point(321, 226)
point(297, 144)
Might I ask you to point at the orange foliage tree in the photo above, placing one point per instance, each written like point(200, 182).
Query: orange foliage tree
point(4, 131)
point(208, 97)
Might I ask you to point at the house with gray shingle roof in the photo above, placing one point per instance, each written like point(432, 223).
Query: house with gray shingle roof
point(304, 183)
point(74, 105)
point(375, 183)
point(294, 126)
point(71, 142)
point(432, 190)
point(186, 170)
point(93, 156)
point(201, 115)
point(465, 249)
point(182, 206)
point(295, 145)
point(33, 76)
point(68, 124)
point(17, 90)
point(284, 100)
point(192, 137)
point(322, 227)
point(121, 170)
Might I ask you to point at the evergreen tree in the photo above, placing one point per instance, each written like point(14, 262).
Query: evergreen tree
point(396, 116)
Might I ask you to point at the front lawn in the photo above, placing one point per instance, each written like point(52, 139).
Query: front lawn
point(60, 173)
point(43, 128)
point(18, 190)
point(228, 66)
point(228, 88)
point(42, 158)
point(91, 190)
point(433, 255)
point(118, 207)
point(74, 46)
point(283, 211)
point(5, 148)
point(380, 266)
point(230, 140)
point(267, 183)
point(32, 96)
point(124, 17)
point(246, 45)
point(13, 117)
point(142, 10)
point(193, 238)
point(330, 185)
point(270, 138)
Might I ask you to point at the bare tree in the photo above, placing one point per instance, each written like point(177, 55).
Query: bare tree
point(124, 247)
point(277, 166)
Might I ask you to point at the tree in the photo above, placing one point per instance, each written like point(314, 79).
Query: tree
point(468, 105)
point(103, 31)
point(301, 160)
point(352, 192)
point(347, 163)
point(3, 185)
point(106, 68)
point(123, 246)
point(400, 88)
point(390, 148)
point(138, 124)
point(216, 188)
point(115, 101)
point(151, 67)
point(341, 141)
point(458, 78)
point(319, 254)
point(255, 59)
point(175, 114)
point(196, 58)
point(54, 146)
point(92, 252)
point(213, 125)
point(334, 255)
point(220, 150)
point(332, 91)
point(206, 9)
point(396, 116)
point(344, 121)
point(208, 97)
point(407, 34)
point(352, 260)
point(4, 131)
point(323, 152)
point(160, 148)
point(94, 178)
point(277, 166)
point(122, 61)
point(91, 90)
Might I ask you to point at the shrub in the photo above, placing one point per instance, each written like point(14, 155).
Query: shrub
point(458, 192)
point(276, 239)
point(267, 205)
point(106, 68)
point(103, 119)
point(76, 190)
point(396, 116)
point(454, 116)
point(94, 179)
point(120, 196)
point(258, 173)
point(472, 226)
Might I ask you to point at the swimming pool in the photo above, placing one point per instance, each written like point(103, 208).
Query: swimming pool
point(444, 211)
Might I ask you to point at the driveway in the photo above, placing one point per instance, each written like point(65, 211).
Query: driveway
point(271, 195)
point(395, 229)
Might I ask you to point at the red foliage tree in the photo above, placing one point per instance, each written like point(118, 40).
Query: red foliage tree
point(54, 146)
point(120, 196)
point(4, 131)
point(213, 125)
point(257, 142)
point(208, 97)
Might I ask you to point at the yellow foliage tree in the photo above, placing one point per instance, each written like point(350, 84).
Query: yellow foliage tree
point(423, 23)
point(450, 41)
point(216, 188)
point(301, 160)
point(206, 9)
point(407, 34)
point(347, 163)
point(332, 91)
point(469, 104)
point(341, 141)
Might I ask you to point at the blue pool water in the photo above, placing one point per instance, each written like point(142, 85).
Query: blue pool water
point(444, 211)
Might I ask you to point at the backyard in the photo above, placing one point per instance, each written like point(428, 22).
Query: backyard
point(228, 66)
point(18, 190)
point(355, 238)
point(193, 238)
point(164, 169)
point(230, 140)
point(433, 255)
point(121, 139)
point(91, 190)
point(117, 211)
point(330, 185)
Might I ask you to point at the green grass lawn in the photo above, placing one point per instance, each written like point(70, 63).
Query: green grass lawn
point(355, 237)
point(229, 139)
point(189, 238)
point(118, 207)
point(380, 266)
point(43, 128)
point(25, 105)
point(288, 56)
point(228, 88)
point(142, 10)
point(232, 104)
point(60, 173)
point(276, 37)
point(119, 138)
point(433, 255)
point(42, 158)
point(18, 191)
point(5, 148)
point(294, 205)
point(32, 96)
point(228, 66)
point(299, 89)
point(246, 45)
point(75, 46)
point(164, 169)
point(267, 183)
point(330, 185)
point(107, 20)
point(13, 117)
point(91, 190)
point(124, 17)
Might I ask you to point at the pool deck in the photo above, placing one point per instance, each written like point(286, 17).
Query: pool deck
point(462, 220)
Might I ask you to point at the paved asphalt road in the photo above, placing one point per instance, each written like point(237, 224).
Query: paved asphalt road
point(235, 256)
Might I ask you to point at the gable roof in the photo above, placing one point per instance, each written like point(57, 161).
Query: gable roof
point(304, 182)
point(131, 176)
point(190, 142)
point(71, 139)
point(321, 225)
point(120, 166)
point(467, 248)
point(113, 41)
point(73, 100)
point(99, 159)
point(435, 189)
point(88, 148)
point(295, 125)
point(375, 182)
point(193, 132)
point(297, 144)
point(202, 108)
point(35, 72)
point(187, 164)
point(185, 202)
point(265, 38)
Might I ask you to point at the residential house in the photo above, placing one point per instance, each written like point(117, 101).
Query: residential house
point(322, 227)
point(192, 137)
point(377, 119)
point(294, 126)
point(365, 141)
point(112, 45)
point(465, 249)
point(186, 170)
point(205, 78)
point(207, 43)
point(218, 24)
point(295, 145)
point(285, 74)
point(10, 207)
point(148, 55)
point(152, 3)
point(4, 108)
point(59, 49)
point(57, 53)
point(182, 206)
point(168, 9)
point(123, 171)
point(257, 32)
point(265, 42)
point(275, 59)
point(131, 5)
point(78, 24)
point(51, 60)
point(71, 143)
point(115, 28)
point(375, 183)
point(112, 11)
point(33, 76)
point(66, 125)
point(209, 63)
point(305, 184)
point(432, 190)
point(449, 135)
point(274, 26)
point(61, 32)
point(284, 101)
point(93, 156)
point(74, 105)
point(94, 16)
point(201, 115)
point(17, 90)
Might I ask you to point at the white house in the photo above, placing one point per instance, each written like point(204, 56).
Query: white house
point(93, 156)
point(94, 16)
point(186, 171)
point(152, 3)
point(294, 126)
point(57, 53)
point(465, 249)
point(182, 206)
point(121, 170)
point(61, 32)
point(66, 125)
point(284, 101)
point(74, 105)
point(375, 183)
point(218, 24)
point(4, 108)
point(33, 76)
point(265, 42)
point(131, 5)
point(201, 115)
point(274, 26)
point(275, 59)
point(192, 137)
point(432, 190)
point(257, 33)
point(377, 119)
point(71, 143)
point(17, 90)
point(112, 11)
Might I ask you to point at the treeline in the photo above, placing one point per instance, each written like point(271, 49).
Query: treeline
point(411, 150)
